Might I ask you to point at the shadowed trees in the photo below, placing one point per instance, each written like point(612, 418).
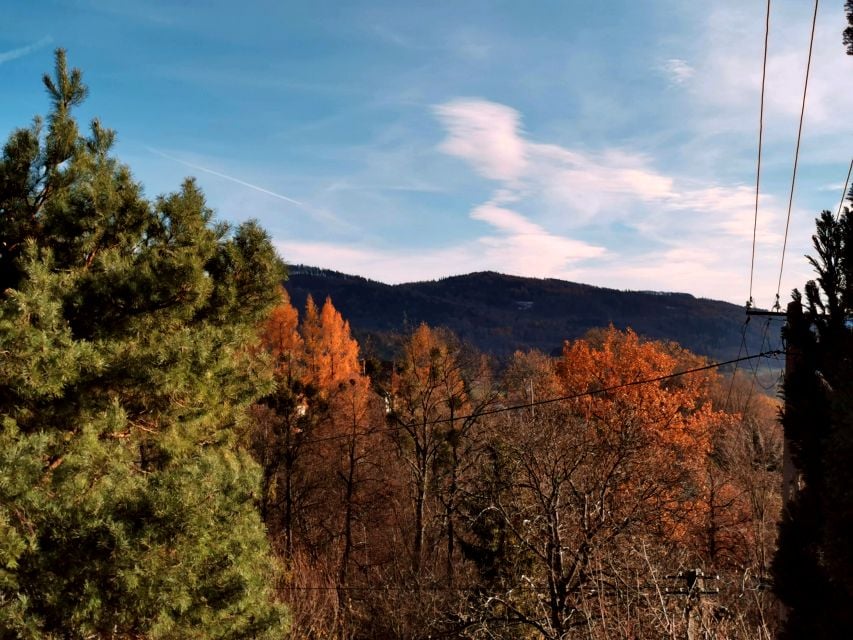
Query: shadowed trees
point(813, 567)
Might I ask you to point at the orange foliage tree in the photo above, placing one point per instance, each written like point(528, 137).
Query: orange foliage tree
point(331, 353)
point(428, 390)
point(554, 519)
point(279, 334)
point(279, 424)
point(672, 421)
point(348, 426)
point(315, 437)
point(614, 465)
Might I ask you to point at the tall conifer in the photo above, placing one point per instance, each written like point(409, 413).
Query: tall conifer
point(814, 564)
point(126, 510)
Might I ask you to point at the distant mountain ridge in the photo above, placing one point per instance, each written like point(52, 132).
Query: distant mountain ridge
point(502, 313)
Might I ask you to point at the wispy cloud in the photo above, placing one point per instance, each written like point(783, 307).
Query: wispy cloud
point(489, 136)
point(582, 187)
point(14, 54)
point(678, 70)
point(730, 67)
point(524, 255)
point(665, 216)
point(486, 134)
point(525, 247)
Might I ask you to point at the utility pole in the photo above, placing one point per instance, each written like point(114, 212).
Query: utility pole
point(790, 474)
point(793, 357)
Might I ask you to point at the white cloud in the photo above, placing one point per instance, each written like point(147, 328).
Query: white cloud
point(526, 255)
point(506, 220)
point(593, 185)
point(485, 134)
point(525, 248)
point(730, 69)
point(684, 233)
point(608, 216)
point(679, 71)
point(378, 263)
point(584, 187)
point(516, 246)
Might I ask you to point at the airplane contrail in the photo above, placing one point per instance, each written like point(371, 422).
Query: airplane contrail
point(14, 54)
point(226, 177)
point(319, 214)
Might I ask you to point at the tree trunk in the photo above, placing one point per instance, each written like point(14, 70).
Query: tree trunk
point(451, 499)
point(420, 506)
point(348, 513)
point(288, 502)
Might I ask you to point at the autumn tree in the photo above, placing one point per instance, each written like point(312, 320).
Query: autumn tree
point(428, 392)
point(743, 478)
point(350, 424)
point(428, 387)
point(592, 476)
point(279, 423)
point(126, 508)
point(534, 516)
point(316, 437)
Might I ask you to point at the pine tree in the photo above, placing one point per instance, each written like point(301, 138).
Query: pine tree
point(126, 510)
point(814, 564)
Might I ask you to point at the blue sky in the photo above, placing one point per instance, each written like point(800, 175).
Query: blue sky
point(609, 143)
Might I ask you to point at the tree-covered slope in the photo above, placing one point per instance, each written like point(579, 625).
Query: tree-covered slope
point(501, 313)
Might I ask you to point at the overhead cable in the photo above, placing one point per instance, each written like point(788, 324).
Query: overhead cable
point(797, 152)
point(760, 139)
point(544, 401)
point(844, 192)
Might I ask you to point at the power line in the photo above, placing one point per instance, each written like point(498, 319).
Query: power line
point(844, 192)
point(775, 377)
point(797, 151)
point(760, 139)
point(545, 401)
point(758, 365)
point(739, 352)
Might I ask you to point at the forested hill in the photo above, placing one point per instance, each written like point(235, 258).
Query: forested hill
point(500, 313)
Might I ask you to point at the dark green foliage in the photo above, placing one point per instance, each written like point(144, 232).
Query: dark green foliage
point(126, 510)
point(501, 314)
point(490, 544)
point(814, 565)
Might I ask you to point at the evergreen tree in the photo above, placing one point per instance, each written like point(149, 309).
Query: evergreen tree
point(126, 510)
point(847, 34)
point(814, 565)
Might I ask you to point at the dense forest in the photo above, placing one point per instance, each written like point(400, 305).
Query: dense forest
point(186, 454)
point(500, 314)
point(440, 497)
